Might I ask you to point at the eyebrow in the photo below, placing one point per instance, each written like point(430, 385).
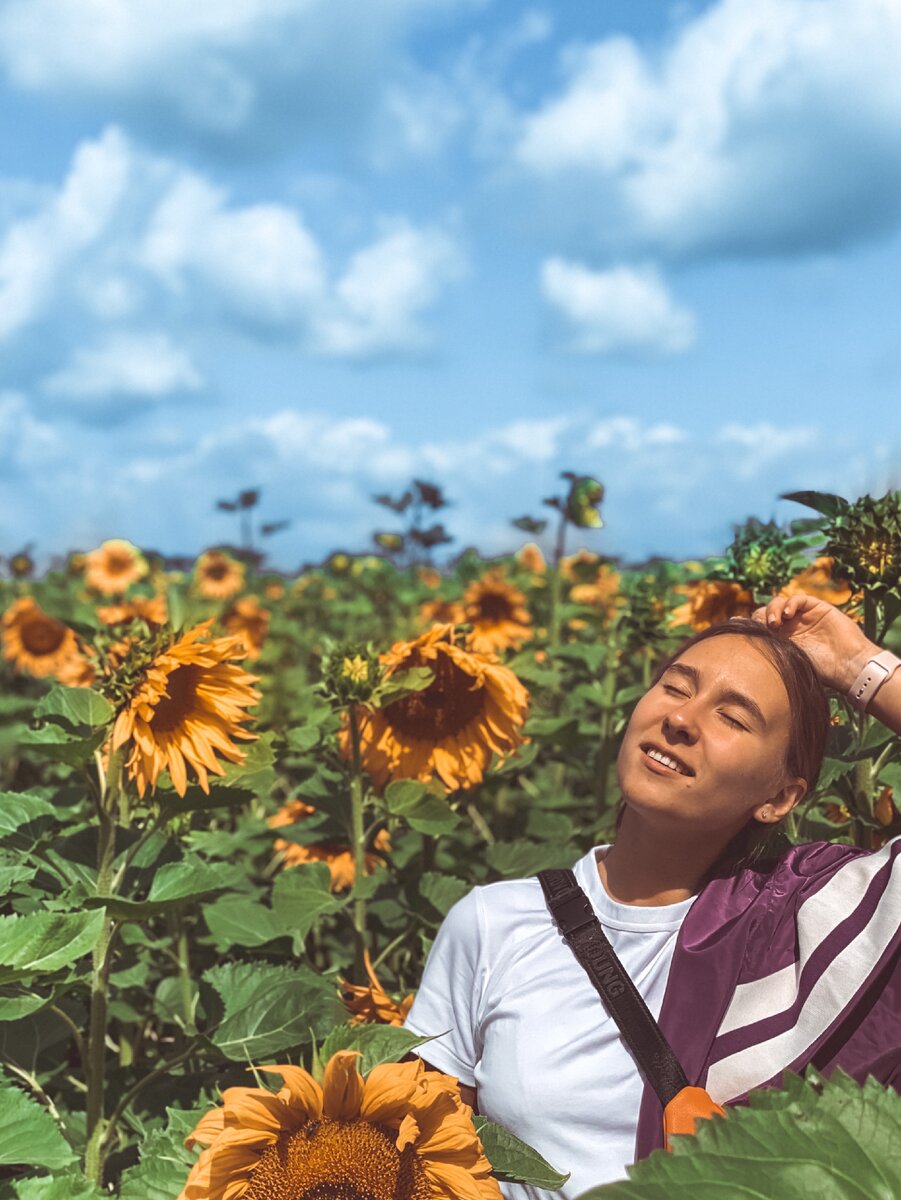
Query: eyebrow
point(729, 696)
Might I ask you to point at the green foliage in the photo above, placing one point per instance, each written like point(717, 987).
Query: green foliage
point(28, 1133)
point(513, 1161)
point(838, 1141)
point(377, 1044)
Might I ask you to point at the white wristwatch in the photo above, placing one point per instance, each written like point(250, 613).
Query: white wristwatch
point(872, 677)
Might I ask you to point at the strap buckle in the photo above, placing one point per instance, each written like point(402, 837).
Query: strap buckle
point(573, 912)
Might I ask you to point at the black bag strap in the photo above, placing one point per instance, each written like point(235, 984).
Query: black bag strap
point(576, 920)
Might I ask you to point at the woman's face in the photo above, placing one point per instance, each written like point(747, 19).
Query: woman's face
point(719, 719)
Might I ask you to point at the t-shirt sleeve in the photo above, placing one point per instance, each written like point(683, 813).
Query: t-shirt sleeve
point(449, 1000)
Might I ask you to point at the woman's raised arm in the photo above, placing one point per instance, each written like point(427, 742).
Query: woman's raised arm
point(837, 647)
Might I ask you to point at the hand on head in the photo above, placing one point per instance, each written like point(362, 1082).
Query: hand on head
point(836, 646)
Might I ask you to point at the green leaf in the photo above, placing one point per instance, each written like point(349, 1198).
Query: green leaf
point(45, 941)
point(271, 1009)
point(241, 921)
point(196, 799)
point(57, 743)
point(405, 683)
point(24, 818)
point(71, 1186)
point(418, 805)
point(29, 1136)
point(377, 1043)
point(174, 885)
point(300, 897)
point(826, 503)
point(442, 891)
point(513, 1161)
point(76, 706)
point(547, 826)
point(302, 740)
point(832, 769)
point(256, 774)
point(165, 1163)
point(17, 1005)
point(519, 860)
point(843, 1143)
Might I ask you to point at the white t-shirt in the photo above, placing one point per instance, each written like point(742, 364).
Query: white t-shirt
point(527, 1028)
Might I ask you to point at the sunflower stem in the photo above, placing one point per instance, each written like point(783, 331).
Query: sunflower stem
point(110, 784)
point(556, 584)
point(358, 833)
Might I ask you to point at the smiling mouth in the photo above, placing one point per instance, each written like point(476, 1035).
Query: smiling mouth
point(665, 759)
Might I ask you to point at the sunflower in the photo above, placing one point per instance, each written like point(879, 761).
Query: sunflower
point(579, 567)
point(602, 592)
point(34, 642)
point(818, 579)
point(142, 608)
point(217, 576)
point(248, 621)
point(372, 1005)
point(440, 612)
point(497, 613)
point(275, 591)
point(473, 708)
point(339, 858)
point(402, 1133)
point(113, 567)
point(429, 577)
point(710, 602)
point(187, 709)
point(531, 559)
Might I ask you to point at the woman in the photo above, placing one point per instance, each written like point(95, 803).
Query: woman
point(750, 965)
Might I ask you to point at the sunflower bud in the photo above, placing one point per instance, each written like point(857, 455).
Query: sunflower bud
point(762, 557)
point(865, 541)
point(350, 672)
point(585, 494)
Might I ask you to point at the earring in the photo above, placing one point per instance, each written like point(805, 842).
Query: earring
point(767, 812)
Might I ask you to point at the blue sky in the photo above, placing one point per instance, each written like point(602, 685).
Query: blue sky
point(322, 248)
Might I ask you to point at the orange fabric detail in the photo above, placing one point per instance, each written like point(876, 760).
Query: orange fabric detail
point(689, 1105)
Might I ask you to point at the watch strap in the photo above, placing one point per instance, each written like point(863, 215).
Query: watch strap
point(874, 674)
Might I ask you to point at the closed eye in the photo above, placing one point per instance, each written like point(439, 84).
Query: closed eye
point(674, 691)
point(732, 721)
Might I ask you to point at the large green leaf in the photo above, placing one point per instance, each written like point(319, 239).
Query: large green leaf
point(377, 1044)
point(70, 1186)
point(175, 884)
point(256, 773)
point(517, 860)
point(839, 1143)
point(419, 806)
point(45, 941)
point(300, 897)
point(512, 1160)
point(826, 503)
point(76, 707)
point(270, 1009)
point(442, 891)
point(29, 1136)
point(165, 1163)
point(242, 921)
point(24, 818)
point(196, 799)
point(59, 744)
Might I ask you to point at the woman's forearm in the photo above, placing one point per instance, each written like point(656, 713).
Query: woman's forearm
point(886, 704)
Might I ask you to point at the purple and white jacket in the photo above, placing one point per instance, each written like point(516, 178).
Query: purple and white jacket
point(781, 969)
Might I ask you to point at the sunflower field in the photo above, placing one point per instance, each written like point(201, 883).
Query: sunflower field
point(237, 805)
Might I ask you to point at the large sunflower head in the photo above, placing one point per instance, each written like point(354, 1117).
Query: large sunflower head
point(249, 621)
point(218, 576)
point(338, 857)
point(34, 642)
point(473, 708)
point(710, 602)
point(186, 710)
point(113, 567)
point(402, 1133)
point(498, 614)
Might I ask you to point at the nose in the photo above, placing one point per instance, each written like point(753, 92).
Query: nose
point(680, 725)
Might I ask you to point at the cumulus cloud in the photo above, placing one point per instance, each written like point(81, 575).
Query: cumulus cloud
point(624, 309)
point(762, 126)
point(130, 240)
point(221, 72)
point(140, 366)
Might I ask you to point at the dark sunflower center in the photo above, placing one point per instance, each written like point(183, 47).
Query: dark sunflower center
point(43, 636)
point(442, 709)
point(171, 710)
point(494, 607)
point(216, 570)
point(118, 564)
point(338, 1160)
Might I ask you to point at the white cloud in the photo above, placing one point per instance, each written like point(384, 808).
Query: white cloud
point(762, 126)
point(135, 239)
point(142, 366)
point(619, 310)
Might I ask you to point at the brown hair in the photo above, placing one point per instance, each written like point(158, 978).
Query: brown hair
point(808, 732)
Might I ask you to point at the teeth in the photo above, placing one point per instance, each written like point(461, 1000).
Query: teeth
point(658, 756)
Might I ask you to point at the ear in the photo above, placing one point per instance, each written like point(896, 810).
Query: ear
point(782, 803)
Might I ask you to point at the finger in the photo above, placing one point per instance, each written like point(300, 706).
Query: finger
point(759, 614)
point(775, 611)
